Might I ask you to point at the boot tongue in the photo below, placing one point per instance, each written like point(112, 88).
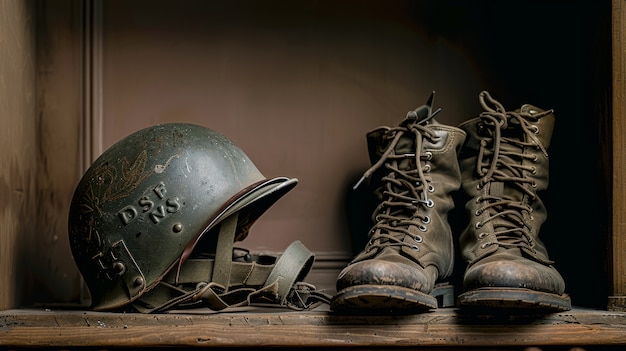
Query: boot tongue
point(505, 191)
point(407, 143)
point(400, 253)
point(496, 189)
point(514, 131)
point(499, 190)
point(406, 146)
point(501, 187)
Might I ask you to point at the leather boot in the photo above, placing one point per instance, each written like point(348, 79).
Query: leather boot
point(504, 165)
point(410, 247)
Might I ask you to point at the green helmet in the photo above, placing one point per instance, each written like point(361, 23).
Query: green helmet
point(151, 201)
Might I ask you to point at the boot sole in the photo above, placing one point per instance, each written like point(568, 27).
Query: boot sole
point(388, 298)
point(514, 299)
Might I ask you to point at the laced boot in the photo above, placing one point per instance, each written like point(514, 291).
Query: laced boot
point(410, 247)
point(504, 164)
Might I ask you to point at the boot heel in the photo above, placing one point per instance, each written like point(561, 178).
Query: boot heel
point(444, 293)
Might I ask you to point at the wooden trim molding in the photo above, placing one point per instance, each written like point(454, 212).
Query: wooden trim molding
point(618, 300)
point(92, 81)
point(90, 18)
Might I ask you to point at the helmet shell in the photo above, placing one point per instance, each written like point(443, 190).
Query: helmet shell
point(142, 206)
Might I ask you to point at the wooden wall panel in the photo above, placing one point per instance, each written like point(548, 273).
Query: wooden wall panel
point(52, 275)
point(618, 300)
point(18, 145)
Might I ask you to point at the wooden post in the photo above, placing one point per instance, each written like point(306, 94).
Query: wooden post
point(618, 300)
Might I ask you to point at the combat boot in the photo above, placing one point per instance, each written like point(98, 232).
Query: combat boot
point(410, 249)
point(504, 165)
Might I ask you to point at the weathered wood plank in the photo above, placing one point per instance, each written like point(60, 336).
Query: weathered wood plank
point(51, 274)
point(619, 157)
point(446, 327)
point(18, 145)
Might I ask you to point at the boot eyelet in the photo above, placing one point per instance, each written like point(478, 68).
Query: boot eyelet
point(479, 199)
point(431, 188)
point(535, 158)
point(422, 228)
point(533, 170)
point(478, 212)
point(479, 186)
point(478, 225)
point(429, 155)
point(484, 246)
point(533, 184)
point(430, 203)
point(426, 220)
point(482, 235)
point(415, 247)
point(426, 168)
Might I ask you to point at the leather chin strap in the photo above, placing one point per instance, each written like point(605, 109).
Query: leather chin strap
point(226, 281)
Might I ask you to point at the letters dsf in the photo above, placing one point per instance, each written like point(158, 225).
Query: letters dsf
point(156, 207)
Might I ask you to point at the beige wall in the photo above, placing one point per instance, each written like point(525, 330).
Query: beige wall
point(18, 144)
point(296, 85)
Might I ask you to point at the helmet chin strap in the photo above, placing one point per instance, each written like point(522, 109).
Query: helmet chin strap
point(220, 281)
point(224, 251)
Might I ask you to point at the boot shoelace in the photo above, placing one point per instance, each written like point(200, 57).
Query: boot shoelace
point(499, 161)
point(406, 190)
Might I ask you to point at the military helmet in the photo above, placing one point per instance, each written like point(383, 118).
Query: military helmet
point(146, 203)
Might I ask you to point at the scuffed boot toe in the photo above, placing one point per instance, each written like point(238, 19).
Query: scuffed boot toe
point(382, 285)
point(519, 284)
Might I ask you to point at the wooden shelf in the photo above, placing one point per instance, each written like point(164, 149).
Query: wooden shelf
point(442, 329)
